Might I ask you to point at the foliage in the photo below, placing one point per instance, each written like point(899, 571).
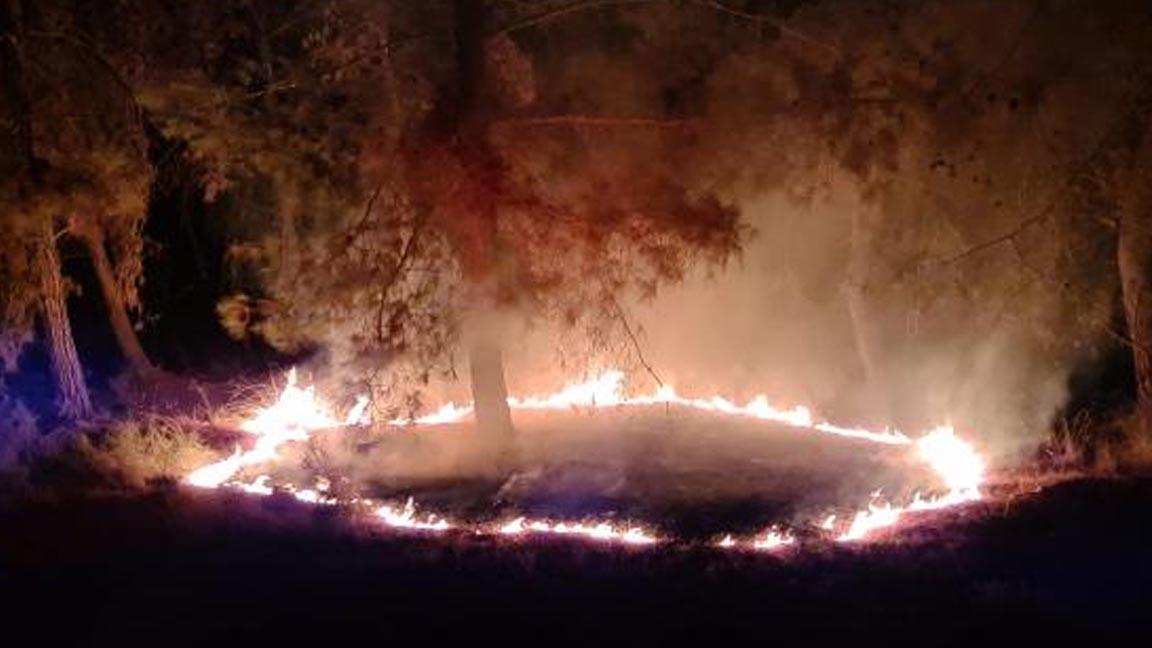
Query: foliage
point(381, 183)
point(77, 166)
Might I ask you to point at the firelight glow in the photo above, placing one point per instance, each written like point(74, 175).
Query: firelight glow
point(298, 413)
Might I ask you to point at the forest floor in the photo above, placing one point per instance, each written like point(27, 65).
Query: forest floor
point(179, 566)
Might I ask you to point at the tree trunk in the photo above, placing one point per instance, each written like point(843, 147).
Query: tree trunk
point(855, 296)
point(874, 396)
point(482, 329)
point(1133, 259)
point(861, 338)
point(290, 203)
point(72, 400)
point(72, 395)
point(122, 327)
point(462, 115)
point(489, 389)
point(1132, 179)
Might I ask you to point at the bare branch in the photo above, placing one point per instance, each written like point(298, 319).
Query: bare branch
point(632, 337)
point(1007, 237)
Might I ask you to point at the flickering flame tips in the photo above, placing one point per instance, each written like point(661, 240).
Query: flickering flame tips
point(298, 413)
point(407, 518)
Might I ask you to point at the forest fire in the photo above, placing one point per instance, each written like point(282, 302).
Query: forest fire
point(706, 316)
point(298, 413)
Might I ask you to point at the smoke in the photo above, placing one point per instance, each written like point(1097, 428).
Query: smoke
point(987, 346)
point(918, 255)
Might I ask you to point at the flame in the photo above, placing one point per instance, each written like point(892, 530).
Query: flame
point(607, 390)
point(448, 413)
point(770, 539)
point(876, 516)
point(773, 539)
point(602, 391)
point(295, 415)
point(298, 413)
point(953, 459)
point(407, 518)
point(594, 530)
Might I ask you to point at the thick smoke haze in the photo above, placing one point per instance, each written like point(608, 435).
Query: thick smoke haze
point(921, 247)
point(778, 322)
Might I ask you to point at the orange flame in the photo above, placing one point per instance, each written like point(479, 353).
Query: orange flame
point(298, 413)
point(595, 530)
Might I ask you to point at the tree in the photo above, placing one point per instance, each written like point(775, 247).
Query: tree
point(1124, 164)
point(559, 221)
point(30, 263)
point(475, 202)
point(82, 172)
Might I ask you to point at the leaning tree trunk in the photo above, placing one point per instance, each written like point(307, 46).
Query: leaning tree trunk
point(1133, 259)
point(114, 306)
point(72, 399)
point(72, 394)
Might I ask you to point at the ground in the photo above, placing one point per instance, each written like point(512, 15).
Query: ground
point(180, 566)
point(696, 473)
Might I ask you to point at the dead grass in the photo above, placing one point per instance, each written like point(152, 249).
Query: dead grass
point(141, 451)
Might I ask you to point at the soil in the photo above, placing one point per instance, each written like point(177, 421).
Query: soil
point(175, 567)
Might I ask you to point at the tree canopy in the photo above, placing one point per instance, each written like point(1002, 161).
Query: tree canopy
point(397, 181)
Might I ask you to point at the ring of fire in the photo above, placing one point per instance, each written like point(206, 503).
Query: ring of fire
point(298, 413)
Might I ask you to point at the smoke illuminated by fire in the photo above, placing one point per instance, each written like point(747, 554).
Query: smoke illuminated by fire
point(298, 413)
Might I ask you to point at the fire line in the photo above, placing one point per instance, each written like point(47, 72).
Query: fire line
point(298, 413)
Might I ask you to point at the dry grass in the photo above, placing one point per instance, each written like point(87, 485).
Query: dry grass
point(145, 450)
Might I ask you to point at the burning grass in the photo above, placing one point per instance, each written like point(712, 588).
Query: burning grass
point(150, 449)
point(298, 416)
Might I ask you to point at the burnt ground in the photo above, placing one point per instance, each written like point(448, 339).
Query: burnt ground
point(695, 474)
point(174, 566)
point(178, 568)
